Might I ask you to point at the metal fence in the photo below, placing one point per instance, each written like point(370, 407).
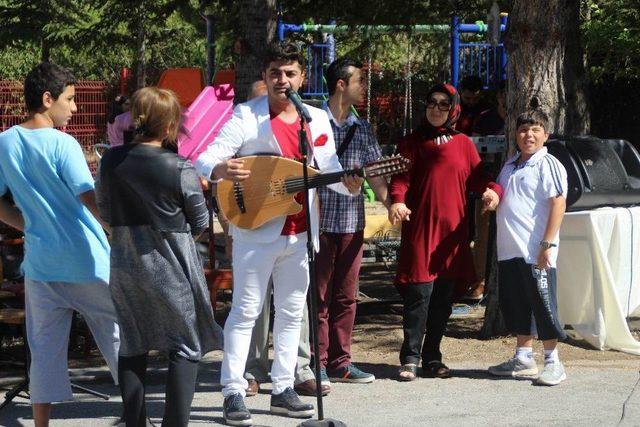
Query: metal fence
point(88, 125)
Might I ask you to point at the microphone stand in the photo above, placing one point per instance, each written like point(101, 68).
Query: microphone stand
point(312, 294)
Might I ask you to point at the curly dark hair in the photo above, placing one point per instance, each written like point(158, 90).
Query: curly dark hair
point(45, 77)
point(283, 51)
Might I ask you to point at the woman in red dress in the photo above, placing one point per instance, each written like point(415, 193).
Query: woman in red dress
point(431, 200)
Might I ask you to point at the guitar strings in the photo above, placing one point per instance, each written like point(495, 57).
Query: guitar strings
point(294, 185)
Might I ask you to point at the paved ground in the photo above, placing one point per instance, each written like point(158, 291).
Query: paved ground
point(592, 396)
point(603, 388)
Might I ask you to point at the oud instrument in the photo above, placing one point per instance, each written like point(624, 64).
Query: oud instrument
point(274, 181)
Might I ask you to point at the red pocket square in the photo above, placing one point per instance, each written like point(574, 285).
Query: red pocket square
point(321, 140)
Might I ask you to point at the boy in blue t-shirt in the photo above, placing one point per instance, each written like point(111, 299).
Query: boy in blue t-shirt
point(66, 262)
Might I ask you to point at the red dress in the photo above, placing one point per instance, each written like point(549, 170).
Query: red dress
point(435, 241)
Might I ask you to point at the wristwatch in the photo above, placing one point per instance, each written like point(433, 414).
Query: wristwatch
point(547, 245)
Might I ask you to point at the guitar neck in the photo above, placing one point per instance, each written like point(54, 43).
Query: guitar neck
point(295, 185)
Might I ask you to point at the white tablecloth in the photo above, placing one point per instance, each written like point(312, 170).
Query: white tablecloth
point(599, 275)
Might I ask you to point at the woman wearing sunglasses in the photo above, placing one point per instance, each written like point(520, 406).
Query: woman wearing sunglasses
point(431, 200)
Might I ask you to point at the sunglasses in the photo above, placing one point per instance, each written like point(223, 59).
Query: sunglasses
point(442, 105)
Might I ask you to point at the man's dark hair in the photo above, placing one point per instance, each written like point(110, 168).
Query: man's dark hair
point(116, 108)
point(45, 77)
point(283, 52)
point(533, 117)
point(339, 70)
point(471, 83)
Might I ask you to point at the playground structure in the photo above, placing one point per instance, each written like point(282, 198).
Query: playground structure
point(206, 108)
point(204, 118)
point(482, 59)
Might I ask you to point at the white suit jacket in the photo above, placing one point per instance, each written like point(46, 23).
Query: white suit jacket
point(249, 132)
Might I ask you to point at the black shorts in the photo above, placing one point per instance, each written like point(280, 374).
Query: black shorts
point(523, 300)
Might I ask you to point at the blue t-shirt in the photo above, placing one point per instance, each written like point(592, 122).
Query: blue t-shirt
point(45, 170)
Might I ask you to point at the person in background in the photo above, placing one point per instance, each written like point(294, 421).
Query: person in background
point(471, 103)
point(119, 124)
point(342, 223)
point(491, 121)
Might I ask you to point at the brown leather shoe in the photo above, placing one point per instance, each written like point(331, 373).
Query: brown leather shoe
point(252, 388)
point(308, 388)
point(475, 291)
point(436, 369)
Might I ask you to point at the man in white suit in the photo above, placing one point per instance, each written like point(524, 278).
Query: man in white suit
point(269, 124)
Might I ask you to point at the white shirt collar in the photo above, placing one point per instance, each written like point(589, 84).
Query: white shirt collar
point(537, 156)
point(350, 120)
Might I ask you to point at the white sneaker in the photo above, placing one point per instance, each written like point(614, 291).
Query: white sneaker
point(515, 367)
point(552, 374)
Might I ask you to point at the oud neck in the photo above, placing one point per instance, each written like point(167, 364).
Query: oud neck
point(295, 185)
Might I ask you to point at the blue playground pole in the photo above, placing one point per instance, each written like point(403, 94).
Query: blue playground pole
point(456, 28)
point(455, 56)
point(503, 56)
point(281, 29)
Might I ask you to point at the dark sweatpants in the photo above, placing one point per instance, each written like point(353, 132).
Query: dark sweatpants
point(523, 304)
point(427, 308)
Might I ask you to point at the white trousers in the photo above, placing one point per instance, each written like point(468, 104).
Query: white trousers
point(285, 259)
point(49, 309)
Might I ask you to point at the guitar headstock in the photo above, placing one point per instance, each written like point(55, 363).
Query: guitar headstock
point(387, 166)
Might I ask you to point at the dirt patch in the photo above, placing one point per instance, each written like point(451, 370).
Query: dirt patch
point(378, 332)
point(377, 339)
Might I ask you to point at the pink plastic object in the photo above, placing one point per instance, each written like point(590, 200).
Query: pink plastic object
point(204, 118)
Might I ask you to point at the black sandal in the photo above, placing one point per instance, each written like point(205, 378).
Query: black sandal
point(411, 368)
point(436, 369)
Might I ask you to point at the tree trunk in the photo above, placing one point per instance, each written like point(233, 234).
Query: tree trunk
point(545, 69)
point(493, 322)
point(257, 22)
point(141, 41)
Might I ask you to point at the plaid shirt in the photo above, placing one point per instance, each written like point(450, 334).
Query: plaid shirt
point(340, 213)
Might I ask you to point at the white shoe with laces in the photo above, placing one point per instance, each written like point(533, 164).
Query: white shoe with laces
point(515, 367)
point(552, 374)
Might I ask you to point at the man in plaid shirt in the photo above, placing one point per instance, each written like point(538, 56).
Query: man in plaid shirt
point(342, 226)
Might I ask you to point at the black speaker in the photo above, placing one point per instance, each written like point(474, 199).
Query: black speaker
point(600, 172)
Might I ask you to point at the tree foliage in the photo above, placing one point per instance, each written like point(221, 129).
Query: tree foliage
point(611, 30)
point(612, 38)
point(96, 38)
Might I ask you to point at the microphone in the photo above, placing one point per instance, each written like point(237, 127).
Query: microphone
point(297, 101)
